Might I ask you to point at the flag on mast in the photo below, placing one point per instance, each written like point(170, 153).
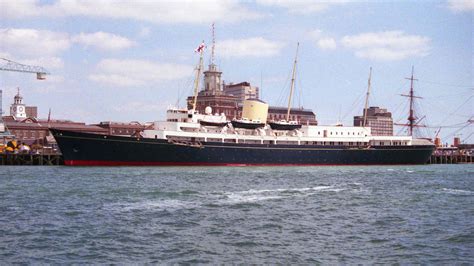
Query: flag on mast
point(200, 48)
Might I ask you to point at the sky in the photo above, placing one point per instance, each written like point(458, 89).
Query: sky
point(131, 60)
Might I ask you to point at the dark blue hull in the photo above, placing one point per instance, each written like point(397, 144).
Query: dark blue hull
point(91, 149)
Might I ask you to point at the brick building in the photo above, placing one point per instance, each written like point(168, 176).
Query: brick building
point(303, 116)
point(31, 130)
point(31, 111)
point(228, 99)
point(26, 127)
point(242, 91)
point(379, 120)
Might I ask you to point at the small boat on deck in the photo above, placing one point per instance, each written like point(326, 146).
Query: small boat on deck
point(247, 124)
point(284, 125)
point(212, 123)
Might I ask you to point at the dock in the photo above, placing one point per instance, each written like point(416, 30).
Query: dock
point(31, 159)
point(450, 159)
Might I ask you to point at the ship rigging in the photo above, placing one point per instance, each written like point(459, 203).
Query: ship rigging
point(288, 124)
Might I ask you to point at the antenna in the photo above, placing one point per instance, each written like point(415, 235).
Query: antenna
point(213, 43)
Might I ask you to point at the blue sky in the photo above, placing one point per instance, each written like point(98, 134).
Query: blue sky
point(130, 60)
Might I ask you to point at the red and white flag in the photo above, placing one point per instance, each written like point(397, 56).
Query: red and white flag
point(200, 48)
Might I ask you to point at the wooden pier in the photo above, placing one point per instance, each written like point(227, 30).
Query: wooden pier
point(31, 159)
point(450, 159)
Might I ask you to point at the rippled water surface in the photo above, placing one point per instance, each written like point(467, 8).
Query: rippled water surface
point(407, 214)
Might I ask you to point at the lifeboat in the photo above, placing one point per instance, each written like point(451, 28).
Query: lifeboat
point(212, 123)
point(247, 124)
point(284, 125)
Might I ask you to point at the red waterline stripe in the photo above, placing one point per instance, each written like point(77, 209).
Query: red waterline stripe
point(121, 163)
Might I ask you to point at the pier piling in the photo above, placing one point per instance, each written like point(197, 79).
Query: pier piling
point(31, 159)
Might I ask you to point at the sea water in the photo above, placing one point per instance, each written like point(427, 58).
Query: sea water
point(371, 214)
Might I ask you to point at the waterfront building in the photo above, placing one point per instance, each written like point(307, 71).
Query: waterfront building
point(31, 111)
point(303, 116)
point(23, 124)
point(30, 130)
point(378, 119)
point(242, 91)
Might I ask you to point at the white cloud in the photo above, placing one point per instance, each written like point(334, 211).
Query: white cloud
point(31, 42)
point(144, 32)
point(302, 6)
point(129, 73)
point(461, 5)
point(251, 47)
point(42, 47)
point(18, 9)
point(54, 79)
point(103, 41)
point(315, 34)
point(46, 62)
point(187, 11)
point(387, 45)
point(322, 40)
point(327, 43)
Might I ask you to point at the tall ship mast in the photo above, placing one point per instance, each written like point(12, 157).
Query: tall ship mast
point(200, 50)
point(413, 121)
point(293, 76)
point(288, 124)
point(366, 107)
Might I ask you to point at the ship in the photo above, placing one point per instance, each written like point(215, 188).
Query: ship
point(187, 142)
point(188, 137)
point(183, 140)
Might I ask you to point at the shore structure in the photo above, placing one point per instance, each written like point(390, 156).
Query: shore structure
point(23, 124)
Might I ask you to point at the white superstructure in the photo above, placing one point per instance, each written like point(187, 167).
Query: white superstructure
point(183, 125)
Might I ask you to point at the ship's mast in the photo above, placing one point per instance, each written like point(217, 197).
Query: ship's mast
point(196, 80)
point(367, 99)
point(411, 115)
point(292, 83)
